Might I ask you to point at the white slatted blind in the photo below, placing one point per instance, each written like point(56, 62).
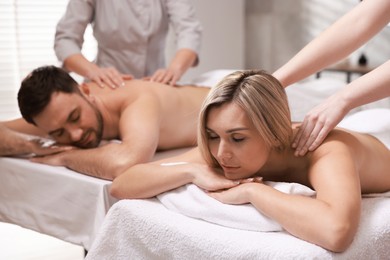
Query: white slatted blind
point(27, 31)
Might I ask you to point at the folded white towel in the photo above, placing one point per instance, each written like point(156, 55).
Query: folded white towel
point(191, 201)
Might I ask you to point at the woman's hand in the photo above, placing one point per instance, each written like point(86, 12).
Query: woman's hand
point(317, 125)
point(210, 179)
point(236, 195)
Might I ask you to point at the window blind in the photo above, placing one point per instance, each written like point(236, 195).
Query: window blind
point(27, 30)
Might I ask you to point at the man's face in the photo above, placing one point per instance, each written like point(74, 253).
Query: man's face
point(71, 119)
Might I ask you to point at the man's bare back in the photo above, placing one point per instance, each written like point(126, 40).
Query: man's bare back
point(144, 115)
point(179, 108)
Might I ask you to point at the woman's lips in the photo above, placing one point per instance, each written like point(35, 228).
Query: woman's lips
point(229, 167)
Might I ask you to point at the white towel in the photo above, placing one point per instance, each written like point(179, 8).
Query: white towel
point(145, 229)
point(193, 202)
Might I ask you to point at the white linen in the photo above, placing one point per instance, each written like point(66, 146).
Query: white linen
point(145, 229)
point(53, 200)
point(194, 202)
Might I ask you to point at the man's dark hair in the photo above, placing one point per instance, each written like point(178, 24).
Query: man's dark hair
point(37, 88)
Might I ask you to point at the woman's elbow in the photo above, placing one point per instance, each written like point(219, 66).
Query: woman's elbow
point(340, 236)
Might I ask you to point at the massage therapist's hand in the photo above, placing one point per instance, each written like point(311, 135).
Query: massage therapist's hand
point(209, 179)
point(167, 76)
point(236, 195)
point(183, 60)
point(107, 77)
point(317, 124)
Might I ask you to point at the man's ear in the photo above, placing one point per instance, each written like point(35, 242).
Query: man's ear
point(86, 91)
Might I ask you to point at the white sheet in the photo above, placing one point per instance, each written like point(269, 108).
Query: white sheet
point(55, 200)
point(145, 229)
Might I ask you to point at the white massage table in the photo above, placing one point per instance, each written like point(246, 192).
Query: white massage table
point(154, 229)
point(72, 207)
point(55, 201)
point(146, 229)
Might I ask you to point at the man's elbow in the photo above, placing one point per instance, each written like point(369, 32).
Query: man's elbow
point(116, 190)
point(122, 164)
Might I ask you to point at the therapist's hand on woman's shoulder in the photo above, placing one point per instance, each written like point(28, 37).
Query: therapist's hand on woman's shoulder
point(317, 124)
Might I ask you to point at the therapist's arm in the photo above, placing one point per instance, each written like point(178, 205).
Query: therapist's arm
point(324, 117)
point(337, 42)
point(188, 33)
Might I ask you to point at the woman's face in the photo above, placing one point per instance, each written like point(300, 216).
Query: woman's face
point(234, 141)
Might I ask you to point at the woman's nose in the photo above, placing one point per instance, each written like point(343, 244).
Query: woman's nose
point(224, 152)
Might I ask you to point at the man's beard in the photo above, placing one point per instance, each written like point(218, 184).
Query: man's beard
point(98, 132)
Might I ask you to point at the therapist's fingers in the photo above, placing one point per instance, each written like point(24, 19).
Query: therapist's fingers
point(106, 77)
point(323, 133)
point(303, 147)
point(158, 75)
point(112, 78)
point(167, 77)
point(302, 136)
point(299, 135)
point(174, 79)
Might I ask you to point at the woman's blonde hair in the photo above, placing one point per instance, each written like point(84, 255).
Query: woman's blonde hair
point(264, 100)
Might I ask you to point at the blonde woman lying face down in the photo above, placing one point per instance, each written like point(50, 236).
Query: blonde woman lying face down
point(244, 137)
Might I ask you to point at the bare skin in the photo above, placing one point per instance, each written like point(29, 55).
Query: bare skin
point(145, 116)
point(346, 165)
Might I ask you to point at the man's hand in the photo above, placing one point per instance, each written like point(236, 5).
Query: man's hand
point(39, 147)
point(54, 158)
point(108, 77)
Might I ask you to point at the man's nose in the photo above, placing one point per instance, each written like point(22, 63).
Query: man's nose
point(75, 133)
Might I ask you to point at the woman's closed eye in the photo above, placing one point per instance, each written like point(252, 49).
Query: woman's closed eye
point(238, 139)
point(212, 136)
